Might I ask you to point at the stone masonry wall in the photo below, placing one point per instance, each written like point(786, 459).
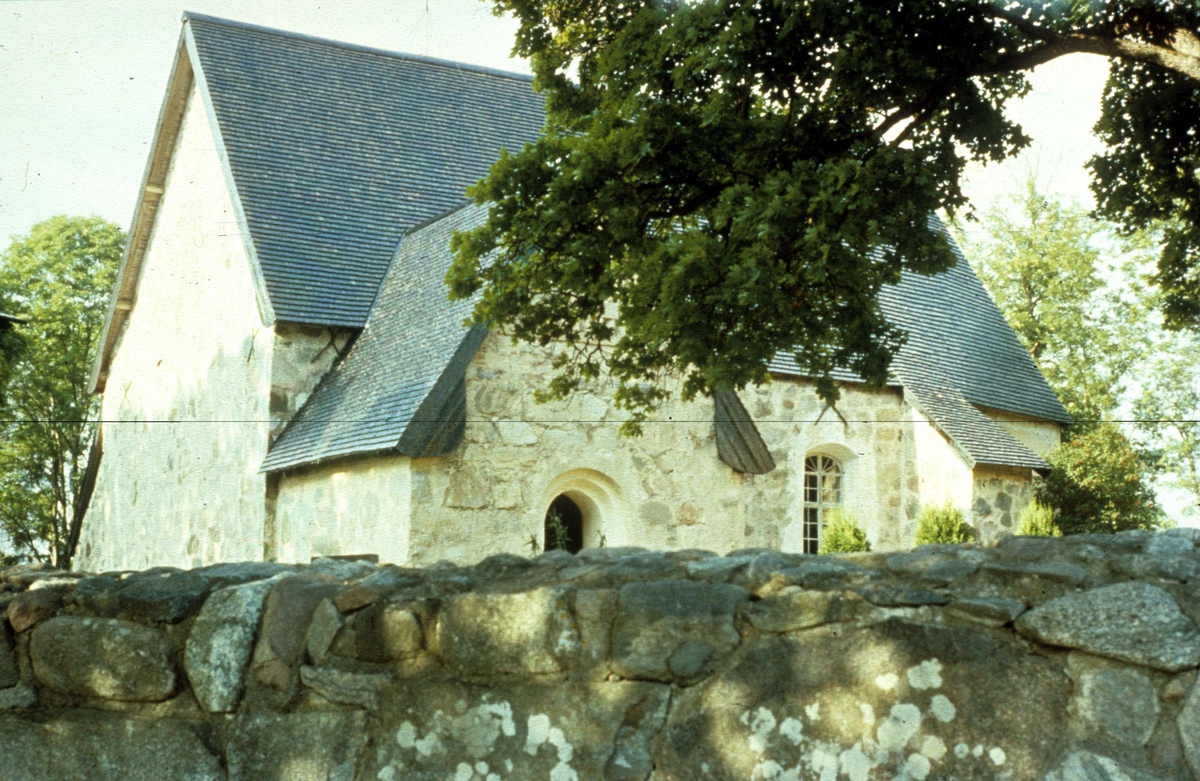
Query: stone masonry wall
point(1031, 660)
point(665, 489)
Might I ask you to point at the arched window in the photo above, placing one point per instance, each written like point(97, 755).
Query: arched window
point(822, 491)
point(564, 525)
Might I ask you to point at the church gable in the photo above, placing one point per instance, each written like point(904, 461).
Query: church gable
point(193, 348)
point(332, 152)
point(337, 150)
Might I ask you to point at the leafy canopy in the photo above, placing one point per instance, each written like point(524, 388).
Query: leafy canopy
point(1168, 411)
point(1100, 483)
point(1073, 293)
point(723, 179)
point(58, 277)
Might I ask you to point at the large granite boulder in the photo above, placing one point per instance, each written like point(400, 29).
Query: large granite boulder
point(8, 662)
point(1086, 766)
point(1189, 728)
point(1113, 702)
point(221, 640)
point(103, 657)
point(164, 595)
point(99, 746)
point(286, 617)
point(526, 632)
point(891, 700)
point(674, 630)
point(317, 746)
point(1133, 622)
point(531, 730)
point(30, 608)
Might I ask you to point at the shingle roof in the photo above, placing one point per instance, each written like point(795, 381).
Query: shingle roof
point(961, 352)
point(958, 339)
point(981, 439)
point(415, 338)
point(336, 150)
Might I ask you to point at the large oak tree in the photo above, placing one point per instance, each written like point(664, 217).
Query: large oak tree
point(723, 179)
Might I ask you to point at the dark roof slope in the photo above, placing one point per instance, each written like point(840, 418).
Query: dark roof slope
point(414, 339)
point(981, 439)
point(336, 150)
point(958, 339)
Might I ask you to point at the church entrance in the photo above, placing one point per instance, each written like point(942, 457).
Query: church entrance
point(564, 525)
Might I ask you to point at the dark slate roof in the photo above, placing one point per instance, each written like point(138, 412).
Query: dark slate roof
point(981, 440)
point(414, 339)
point(415, 347)
point(336, 150)
point(958, 339)
point(961, 352)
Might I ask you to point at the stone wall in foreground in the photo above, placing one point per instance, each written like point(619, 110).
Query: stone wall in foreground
point(1059, 660)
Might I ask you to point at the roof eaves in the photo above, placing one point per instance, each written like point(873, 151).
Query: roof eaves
point(166, 131)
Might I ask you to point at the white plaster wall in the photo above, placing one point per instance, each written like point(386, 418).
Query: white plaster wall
point(186, 402)
point(1040, 436)
point(943, 475)
point(359, 506)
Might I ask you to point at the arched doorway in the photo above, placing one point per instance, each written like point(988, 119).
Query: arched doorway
point(563, 525)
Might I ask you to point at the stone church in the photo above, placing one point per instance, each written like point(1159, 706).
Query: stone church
point(283, 376)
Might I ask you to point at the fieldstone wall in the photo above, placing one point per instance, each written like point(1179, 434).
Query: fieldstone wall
point(666, 489)
point(1032, 659)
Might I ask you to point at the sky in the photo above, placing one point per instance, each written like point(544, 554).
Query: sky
point(81, 83)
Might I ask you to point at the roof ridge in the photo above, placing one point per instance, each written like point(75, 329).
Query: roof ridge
point(193, 16)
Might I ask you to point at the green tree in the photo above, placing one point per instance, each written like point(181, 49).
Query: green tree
point(1169, 411)
point(58, 277)
point(720, 180)
point(1071, 289)
point(1100, 483)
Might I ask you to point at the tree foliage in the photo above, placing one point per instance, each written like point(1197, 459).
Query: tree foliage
point(1072, 291)
point(720, 180)
point(1168, 411)
point(58, 277)
point(1100, 483)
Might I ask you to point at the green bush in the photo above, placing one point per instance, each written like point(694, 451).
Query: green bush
point(1037, 520)
point(1101, 483)
point(942, 524)
point(842, 534)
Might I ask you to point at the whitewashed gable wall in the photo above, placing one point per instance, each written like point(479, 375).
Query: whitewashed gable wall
point(186, 402)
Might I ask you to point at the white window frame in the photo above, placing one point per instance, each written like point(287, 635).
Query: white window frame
point(824, 488)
